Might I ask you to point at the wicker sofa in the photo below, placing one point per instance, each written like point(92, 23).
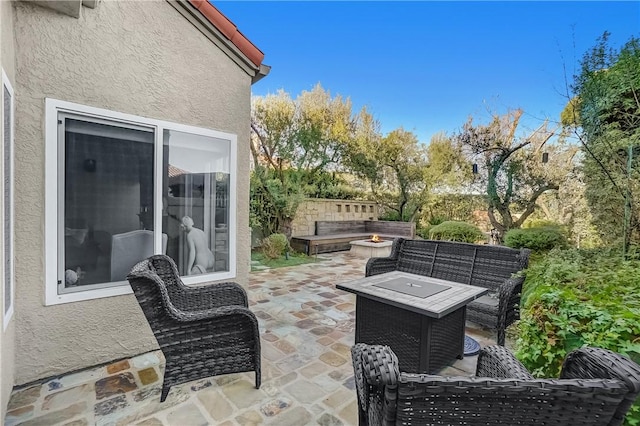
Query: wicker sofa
point(491, 267)
point(596, 387)
point(202, 331)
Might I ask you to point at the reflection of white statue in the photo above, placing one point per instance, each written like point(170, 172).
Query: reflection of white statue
point(200, 257)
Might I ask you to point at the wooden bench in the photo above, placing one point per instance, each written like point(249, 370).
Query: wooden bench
point(492, 267)
point(333, 236)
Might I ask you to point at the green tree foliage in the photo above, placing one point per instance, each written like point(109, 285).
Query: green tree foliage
point(295, 143)
point(452, 206)
point(402, 174)
point(448, 169)
point(568, 206)
point(570, 115)
point(394, 167)
point(449, 173)
point(510, 166)
point(606, 119)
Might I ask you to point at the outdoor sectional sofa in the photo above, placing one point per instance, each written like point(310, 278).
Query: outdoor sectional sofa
point(336, 235)
point(492, 267)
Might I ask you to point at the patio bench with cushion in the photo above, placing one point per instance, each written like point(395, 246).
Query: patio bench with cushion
point(491, 267)
point(335, 235)
point(596, 387)
point(202, 331)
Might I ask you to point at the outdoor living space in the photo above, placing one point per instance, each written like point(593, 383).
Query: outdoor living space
point(306, 330)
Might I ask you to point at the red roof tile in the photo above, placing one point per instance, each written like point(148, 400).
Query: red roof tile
point(229, 30)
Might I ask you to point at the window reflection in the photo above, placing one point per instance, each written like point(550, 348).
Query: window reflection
point(195, 213)
point(108, 201)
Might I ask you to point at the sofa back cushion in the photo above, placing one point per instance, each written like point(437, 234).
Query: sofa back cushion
point(417, 256)
point(534, 402)
point(454, 262)
point(495, 264)
point(480, 265)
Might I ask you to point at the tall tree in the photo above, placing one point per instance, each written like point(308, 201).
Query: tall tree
point(394, 168)
point(604, 113)
point(510, 166)
point(293, 142)
point(448, 168)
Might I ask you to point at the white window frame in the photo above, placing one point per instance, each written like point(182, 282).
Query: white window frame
point(8, 274)
point(52, 109)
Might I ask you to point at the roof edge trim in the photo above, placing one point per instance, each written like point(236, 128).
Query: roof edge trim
point(229, 30)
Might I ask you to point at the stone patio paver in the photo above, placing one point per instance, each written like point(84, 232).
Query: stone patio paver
point(307, 330)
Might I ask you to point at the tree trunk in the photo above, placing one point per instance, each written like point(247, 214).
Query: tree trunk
point(498, 228)
point(286, 226)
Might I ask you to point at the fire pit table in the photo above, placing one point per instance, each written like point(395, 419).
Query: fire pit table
point(421, 318)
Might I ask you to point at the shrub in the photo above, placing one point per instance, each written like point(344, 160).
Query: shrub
point(536, 239)
point(424, 231)
point(456, 231)
point(424, 227)
point(575, 298)
point(274, 246)
point(540, 223)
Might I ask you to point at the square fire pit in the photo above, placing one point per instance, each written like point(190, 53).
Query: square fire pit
point(368, 248)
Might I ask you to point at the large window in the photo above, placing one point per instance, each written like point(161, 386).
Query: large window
point(121, 188)
point(7, 212)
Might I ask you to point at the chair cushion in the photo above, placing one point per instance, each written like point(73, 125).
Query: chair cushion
point(483, 311)
point(485, 302)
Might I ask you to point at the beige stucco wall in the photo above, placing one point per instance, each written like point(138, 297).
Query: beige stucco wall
point(7, 336)
point(136, 57)
point(7, 340)
point(323, 209)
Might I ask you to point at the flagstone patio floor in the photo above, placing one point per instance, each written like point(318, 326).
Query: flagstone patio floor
point(306, 327)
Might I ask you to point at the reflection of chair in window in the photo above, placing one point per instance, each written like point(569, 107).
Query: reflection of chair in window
point(130, 248)
point(79, 252)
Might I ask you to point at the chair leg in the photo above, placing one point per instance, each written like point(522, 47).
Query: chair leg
point(258, 379)
point(165, 392)
point(501, 336)
point(362, 415)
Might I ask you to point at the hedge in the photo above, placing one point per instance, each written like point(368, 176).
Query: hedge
point(575, 298)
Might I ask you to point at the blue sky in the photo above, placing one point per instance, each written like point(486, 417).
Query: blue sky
point(428, 66)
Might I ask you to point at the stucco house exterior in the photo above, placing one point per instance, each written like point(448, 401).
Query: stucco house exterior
point(125, 126)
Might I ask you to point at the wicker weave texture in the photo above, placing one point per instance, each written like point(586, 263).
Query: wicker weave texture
point(423, 344)
point(202, 331)
point(491, 267)
point(599, 391)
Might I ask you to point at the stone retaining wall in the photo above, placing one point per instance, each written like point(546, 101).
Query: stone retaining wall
point(314, 209)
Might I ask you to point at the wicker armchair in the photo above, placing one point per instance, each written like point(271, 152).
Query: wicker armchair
point(491, 267)
point(202, 331)
point(596, 387)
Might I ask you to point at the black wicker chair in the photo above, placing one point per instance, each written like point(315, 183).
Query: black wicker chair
point(491, 267)
point(596, 387)
point(202, 331)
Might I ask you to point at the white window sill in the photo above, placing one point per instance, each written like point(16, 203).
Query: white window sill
point(58, 299)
